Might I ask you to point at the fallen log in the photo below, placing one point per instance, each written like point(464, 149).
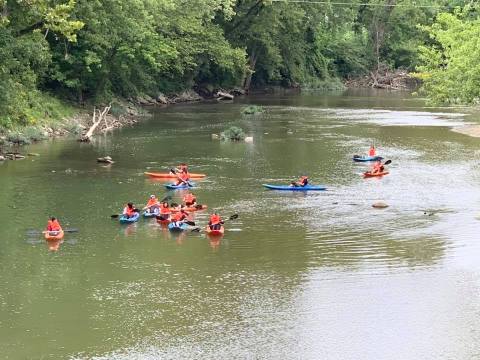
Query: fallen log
point(224, 96)
point(101, 116)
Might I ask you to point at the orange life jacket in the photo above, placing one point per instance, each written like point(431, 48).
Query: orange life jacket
point(189, 198)
point(152, 202)
point(215, 219)
point(179, 216)
point(184, 176)
point(371, 152)
point(53, 225)
point(165, 210)
point(129, 211)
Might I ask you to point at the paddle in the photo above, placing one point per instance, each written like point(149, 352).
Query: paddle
point(38, 232)
point(233, 217)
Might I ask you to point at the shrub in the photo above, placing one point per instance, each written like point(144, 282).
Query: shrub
point(233, 133)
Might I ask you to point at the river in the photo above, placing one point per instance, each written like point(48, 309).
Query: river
point(297, 275)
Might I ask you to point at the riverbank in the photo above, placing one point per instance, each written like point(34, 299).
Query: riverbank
point(62, 119)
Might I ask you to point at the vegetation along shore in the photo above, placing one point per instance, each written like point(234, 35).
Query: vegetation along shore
point(60, 59)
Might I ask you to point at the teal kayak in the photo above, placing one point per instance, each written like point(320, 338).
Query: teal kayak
point(295, 188)
point(124, 220)
point(178, 187)
point(359, 158)
point(174, 227)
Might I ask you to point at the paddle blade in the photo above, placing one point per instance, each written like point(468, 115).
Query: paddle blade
point(387, 162)
point(191, 223)
point(114, 216)
point(196, 230)
point(72, 230)
point(233, 217)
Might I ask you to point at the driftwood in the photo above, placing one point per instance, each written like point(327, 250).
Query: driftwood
point(224, 96)
point(385, 78)
point(101, 116)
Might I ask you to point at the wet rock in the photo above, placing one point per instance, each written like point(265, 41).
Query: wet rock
point(68, 171)
point(238, 92)
point(215, 137)
point(289, 132)
point(380, 205)
point(249, 139)
point(2, 158)
point(105, 160)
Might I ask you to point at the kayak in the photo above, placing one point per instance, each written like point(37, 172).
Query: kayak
point(54, 235)
point(172, 176)
point(149, 214)
point(295, 188)
point(179, 187)
point(368, 174)
point(218, 232)
point(366, 158)
point(177, 228)
point(190, 208)
point(124, 220)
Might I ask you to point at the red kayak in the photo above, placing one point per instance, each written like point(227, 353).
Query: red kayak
point(211, 232)
point(163, 222)
point(368, 174)
point(172, 176)
point(53, 235)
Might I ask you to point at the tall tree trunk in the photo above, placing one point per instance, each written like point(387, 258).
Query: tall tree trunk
point(252, 61)
point(379, 28)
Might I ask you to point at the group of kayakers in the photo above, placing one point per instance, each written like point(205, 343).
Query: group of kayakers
point(378, 168)
point(177, 214)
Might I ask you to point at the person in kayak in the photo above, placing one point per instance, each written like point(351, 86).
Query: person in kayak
point(183, 178)
point(377, 167)
point(302, 182)
point(129, 210)
point(153, 204)
point(372, 151)
point(215, 222)
point(178, 218)
point(189, 199)
point(164, 211)
point(53, 226)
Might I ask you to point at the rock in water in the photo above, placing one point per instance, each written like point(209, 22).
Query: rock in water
point(380, 205)
point(249, 139)
point(215, 137)
point(105, 160)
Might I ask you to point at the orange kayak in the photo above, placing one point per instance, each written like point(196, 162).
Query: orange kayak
point(54, 235)
point(172, 176)
point(190, 208)
point(369, 174)
point(211, 232)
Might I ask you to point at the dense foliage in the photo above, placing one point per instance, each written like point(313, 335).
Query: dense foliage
point(94, 50)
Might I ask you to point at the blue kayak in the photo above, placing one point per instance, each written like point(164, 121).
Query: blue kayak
point(366, 158)
point(149, 214)
point(125, 220)
point(295, 188)
point(176, 228)
point(178, 187)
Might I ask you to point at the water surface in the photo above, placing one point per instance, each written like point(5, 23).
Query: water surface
point(296, 276)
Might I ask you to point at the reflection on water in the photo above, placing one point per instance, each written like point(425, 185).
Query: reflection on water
point(297, 275)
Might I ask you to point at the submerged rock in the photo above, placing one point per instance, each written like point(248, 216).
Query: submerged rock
point(380, 205)
point(249, 139)
point(215, 136)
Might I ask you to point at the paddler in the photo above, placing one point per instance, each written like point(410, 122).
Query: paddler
point(189, 199)
point(303, 181)
point(129, 210)
point(179, 217)
point(377, 167)
point(183, 178)
point(215, 222)
point(152, 205)
point(372, 151)
point(53, 226)
point(164, 211)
